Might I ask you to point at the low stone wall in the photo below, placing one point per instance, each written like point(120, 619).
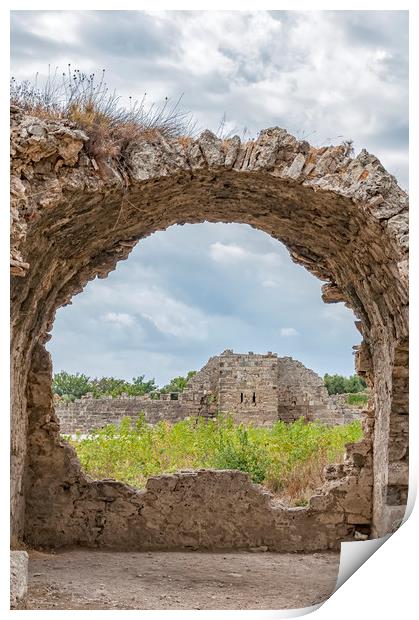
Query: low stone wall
point(207, 509)
point(87, 414)
point(341, 412)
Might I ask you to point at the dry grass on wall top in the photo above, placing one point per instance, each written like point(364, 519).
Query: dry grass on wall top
point(93, 107)
point(288, 458)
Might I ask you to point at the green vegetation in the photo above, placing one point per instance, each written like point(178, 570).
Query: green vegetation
point(177, 384)
point(357, 399)
point(70, 387)
point(287, 458)
point(109, 386)
point(337, 384)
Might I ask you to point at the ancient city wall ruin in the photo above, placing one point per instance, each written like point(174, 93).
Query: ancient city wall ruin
point(73, 218)
point(87, 413)
point(256, 389)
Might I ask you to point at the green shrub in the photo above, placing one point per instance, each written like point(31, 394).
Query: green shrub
point(110, 386)
point(357, 399)
point(237, 451)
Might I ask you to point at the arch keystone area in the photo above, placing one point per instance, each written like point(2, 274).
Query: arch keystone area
point(74, 217)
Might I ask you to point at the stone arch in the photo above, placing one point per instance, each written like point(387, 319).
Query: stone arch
point(73, 218)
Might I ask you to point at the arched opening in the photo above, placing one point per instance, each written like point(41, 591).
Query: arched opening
point(120, 325)
point(343, 219)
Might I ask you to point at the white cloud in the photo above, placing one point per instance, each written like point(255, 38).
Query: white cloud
point(171, 316)
point(60, 26)
point(270, 284)
point(222, 252)
point(232, 252)
point(287, 332)
point(119, 319)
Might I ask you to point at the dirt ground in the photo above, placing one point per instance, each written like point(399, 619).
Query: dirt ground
point(93, 579)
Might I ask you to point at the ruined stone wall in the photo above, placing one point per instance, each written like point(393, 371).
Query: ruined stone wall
point(73, 218)
point(339, 412)
point(88, 414)
point(247, 387)
point(200, 396)
point(256, 389)
point(301, 392)
point(205, 380)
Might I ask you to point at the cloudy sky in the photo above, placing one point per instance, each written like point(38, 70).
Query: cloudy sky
point(192, 291)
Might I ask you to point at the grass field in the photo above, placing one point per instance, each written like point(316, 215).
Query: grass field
point(288, 458)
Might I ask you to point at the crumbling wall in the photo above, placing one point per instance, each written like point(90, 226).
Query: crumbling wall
point(200, 396)
point(344, 219)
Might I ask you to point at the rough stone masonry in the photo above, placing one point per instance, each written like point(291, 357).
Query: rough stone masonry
point(252, 388)
point(73, 218)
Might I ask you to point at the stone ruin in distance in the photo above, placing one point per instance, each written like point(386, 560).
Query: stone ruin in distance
point(252, 388)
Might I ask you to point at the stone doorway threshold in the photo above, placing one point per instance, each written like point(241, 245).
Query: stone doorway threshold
point(96, 579)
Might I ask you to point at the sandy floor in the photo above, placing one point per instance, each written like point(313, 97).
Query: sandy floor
point(86, 579)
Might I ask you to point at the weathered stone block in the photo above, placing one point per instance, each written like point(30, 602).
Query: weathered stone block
point(18, 578)
point(398, 474)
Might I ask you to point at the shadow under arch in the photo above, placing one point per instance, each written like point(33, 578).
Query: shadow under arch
point(344, 219)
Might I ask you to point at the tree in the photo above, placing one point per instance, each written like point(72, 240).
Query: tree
point(177, 384)
point(110, 386)
point(356, 384)
point(338, 384)
point(70, 386)
point(144, 387)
